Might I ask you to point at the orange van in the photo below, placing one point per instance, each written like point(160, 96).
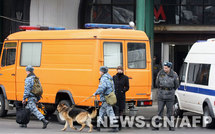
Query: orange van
point(67, 63)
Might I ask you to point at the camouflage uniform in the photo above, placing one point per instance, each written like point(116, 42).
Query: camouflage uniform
point(106, 86)
point(32, 99)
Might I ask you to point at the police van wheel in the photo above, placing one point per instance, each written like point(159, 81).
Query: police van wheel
point(60, 118)
point(176, 109)
point(3, 112)
point(207, 115)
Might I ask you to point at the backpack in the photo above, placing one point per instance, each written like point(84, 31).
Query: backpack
point(37, 89)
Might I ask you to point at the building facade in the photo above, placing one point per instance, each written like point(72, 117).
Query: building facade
point(177, 23)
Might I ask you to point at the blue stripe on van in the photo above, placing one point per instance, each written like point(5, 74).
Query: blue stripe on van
point(197, 90)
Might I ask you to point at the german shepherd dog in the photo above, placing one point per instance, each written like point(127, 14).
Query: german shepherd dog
point(72, 114)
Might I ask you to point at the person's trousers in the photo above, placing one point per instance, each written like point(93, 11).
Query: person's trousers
point(31, 105)
point(169, 105)
point(106, 109)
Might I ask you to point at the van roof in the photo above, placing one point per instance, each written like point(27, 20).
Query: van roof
point(207, 47)
point(202, 52)
point(79, 34)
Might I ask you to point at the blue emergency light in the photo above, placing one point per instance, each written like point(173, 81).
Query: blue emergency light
point(200, 41)
point(114, 26)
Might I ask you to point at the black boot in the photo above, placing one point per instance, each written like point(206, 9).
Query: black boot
point(171, 129)
point(116, 129)
point(97, 129)
point(155, 129)
point(45, 123)
point(23, 125)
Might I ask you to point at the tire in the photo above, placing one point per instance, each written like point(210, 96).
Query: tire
point(60, 118)
point(208, 113)
point(3, 112)
point(177, 112)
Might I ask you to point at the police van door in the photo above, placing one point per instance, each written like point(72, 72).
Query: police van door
point(182, 88)
point(8, 69)
point(138, 69)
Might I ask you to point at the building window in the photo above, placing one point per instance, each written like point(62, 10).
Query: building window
point(109, 11)
point(137, 55)
point(186, 12)
point(31, 53)
point(198, 73)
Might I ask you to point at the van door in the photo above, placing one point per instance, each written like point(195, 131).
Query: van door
point(138, 69)
point(197, 84)
point(8, 69)
point(182, 89)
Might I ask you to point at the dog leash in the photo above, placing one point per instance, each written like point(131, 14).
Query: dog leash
point(85, 99)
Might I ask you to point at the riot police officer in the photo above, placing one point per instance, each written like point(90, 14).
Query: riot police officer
point(167, 82)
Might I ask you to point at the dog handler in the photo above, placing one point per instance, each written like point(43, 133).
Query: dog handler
point(32, 99)
point(106, 86)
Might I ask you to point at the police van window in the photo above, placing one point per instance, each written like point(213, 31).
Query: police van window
point(183, 72)
point(198, 73)
point(3, 60)
point(9, 54)
point(10, 58)
point(113, 54)
point(136, 55)
point(31, 53)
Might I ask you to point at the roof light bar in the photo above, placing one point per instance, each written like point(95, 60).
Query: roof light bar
point(114, 26)
point(200, 41)
point(40, 28)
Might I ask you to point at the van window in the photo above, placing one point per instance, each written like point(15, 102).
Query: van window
point(10, 58)
point(136, 55)
point(113, 54)
point(31, 53)
point(3, 63)
point(183, 72)
point(198, 73)
point(9, 54)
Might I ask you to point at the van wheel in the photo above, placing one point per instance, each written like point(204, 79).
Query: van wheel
point(3, 112)
point(60, 118)
point(206, 117)
point(176, 109)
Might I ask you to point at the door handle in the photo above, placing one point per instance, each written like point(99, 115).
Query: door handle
point(130, 78)
point(12, 74)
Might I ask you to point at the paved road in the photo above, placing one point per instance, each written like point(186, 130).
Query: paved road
point(9, 126)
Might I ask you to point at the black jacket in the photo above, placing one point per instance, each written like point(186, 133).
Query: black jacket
point(121, 83)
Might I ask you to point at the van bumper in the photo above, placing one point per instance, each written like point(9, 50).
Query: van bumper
point(140, 103)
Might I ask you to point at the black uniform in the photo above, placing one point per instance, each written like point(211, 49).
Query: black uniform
point(167, 84)
point(121, 87)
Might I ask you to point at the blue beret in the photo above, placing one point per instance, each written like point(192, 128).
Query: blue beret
point(168, 64)
point(104, 69)
point(29, 68)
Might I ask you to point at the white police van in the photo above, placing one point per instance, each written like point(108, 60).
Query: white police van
point(197, 82)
